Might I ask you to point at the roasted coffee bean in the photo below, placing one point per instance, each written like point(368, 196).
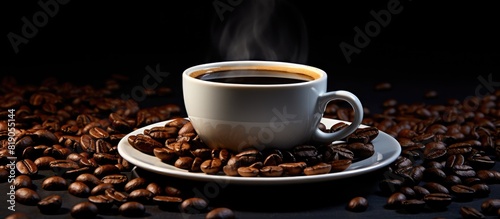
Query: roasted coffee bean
point(141, 195)
point(164, 154)
point(118, 197)
point(220, 213)
point(434, 174)
point(363, 135)
point(27, 167)
point(74, 157)
point(306, 153)
point(211, 166)
point(194, 205)
point(169, 203)
point(53, 183)
point(4, 175)
point(160, 133)
point(361, 150)
point(481, 162)
point(394, 201)
point(468, 212)
point(79, 189)
point(87, 143)
point(340, 165)
point(459, 148)
point(413, 205)
point(204, 153)
point(43, 162)
point(181, 148)
point(118, 180)
point(249, 156)
point(103, 202)
point(293, 169)
point(23, 181)
point(145, 143)
point(410, 175)
point(462, 192)
point(490, 206)
point(438, 200)
point(135, 183)
point(98, 133)
point(248, 171)
point(488, 176)
point(89, 179)
point(61, 166)
point(454, 159)
point(184, 162)
point(88, 162)
point(99, 189)
point(273, 159)
point(17, 215)
point(336, 151)
point(451, 180)
point(172, 191)
point(435, 154)
point(196, 165)
point(434, 187)
point(106, 169)
point(231, 168)
point(27, 196)
point(319, 168)
point(481, 190)
point(463, 171)
point(421, 192)
point(106, 158)
point(271, 171)
point(68, 141)
point(132, 209)
point(357, 204)
point(70, 129)
point(155, 188)
point(73, 173)
point(407, 191)
point(84, 210)
point(435, 164)
point(401, 162)
point(50, 204)
point(224, 155)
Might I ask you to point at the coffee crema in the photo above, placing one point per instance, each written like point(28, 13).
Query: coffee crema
point(254, 76)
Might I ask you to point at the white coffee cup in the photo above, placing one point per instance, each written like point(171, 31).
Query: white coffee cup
point(236, 115)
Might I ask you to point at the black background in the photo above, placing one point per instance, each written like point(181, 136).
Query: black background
point(427, 41)
point(439, 45)
point(425, 46)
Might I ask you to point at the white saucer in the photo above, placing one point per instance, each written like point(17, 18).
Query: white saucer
point(387, 149)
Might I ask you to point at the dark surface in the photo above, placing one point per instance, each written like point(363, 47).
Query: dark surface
point(443, 46)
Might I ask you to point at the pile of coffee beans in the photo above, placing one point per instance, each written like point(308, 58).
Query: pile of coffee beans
point(448, 154)
point(178, 144)
point(64, 137)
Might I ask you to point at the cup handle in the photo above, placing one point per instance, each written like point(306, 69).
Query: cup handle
point(323, 100)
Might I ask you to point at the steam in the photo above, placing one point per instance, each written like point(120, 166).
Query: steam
point(263, 30)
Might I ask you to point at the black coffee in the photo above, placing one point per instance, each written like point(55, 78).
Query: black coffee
point(255, 77)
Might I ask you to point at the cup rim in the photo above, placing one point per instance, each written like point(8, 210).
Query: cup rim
point(242, 63)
